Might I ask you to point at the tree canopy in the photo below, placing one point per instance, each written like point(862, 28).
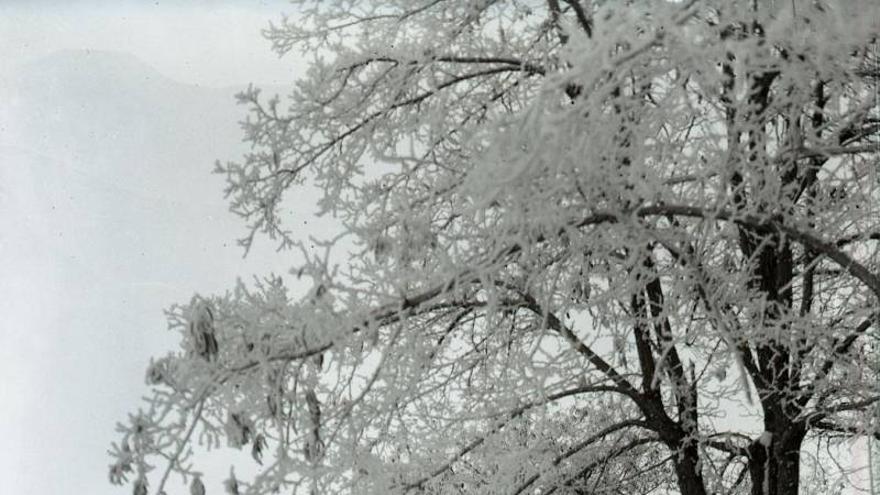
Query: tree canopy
point(575, 238)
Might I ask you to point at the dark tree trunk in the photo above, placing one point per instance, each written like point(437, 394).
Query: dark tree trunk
point(687, 470)
point(774, 462)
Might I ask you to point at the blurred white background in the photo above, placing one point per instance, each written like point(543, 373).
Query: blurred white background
point(111, 116)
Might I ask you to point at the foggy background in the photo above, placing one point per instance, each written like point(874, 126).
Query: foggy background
point(111, 117)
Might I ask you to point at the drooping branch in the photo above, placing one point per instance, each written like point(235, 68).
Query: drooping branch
point(613, 453)
point(585, 19)
point(839, 349)
point(643, 345)
point(848, 430)
point(181, 445)
point(825, 412)
point(845, 261)
point(510, 416)
point(554, 323)
point(672, 361)
point(598, 436)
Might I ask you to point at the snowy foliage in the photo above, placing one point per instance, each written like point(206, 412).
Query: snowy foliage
point(574, 236)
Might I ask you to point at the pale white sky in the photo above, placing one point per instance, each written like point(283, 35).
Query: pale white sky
point(108, 212)
point(206, 42)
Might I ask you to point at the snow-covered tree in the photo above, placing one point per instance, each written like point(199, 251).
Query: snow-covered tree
point(574, 237)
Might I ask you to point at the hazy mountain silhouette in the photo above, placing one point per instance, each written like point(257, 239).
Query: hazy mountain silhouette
point(107, 164)
point(111, 111)
point(119, 123)
point(110, 213)
point(105, 174)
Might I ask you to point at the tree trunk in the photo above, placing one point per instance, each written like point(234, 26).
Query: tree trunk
point(774, 462)
point(687, 469)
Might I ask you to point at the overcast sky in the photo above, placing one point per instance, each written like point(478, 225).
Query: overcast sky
point(108, 132)
point(209, 42)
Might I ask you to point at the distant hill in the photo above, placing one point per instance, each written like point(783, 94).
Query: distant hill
point(103, 149)
point(109, 213)
point(103, 108)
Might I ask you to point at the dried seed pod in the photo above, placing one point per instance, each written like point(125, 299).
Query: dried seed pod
point(157, 372)
point(580, 291)
point(313, 449)
point(238, 429)
point(196, 487)
point(231, 483)
point(257, 448)
point(140, 487)
point(201, 330)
